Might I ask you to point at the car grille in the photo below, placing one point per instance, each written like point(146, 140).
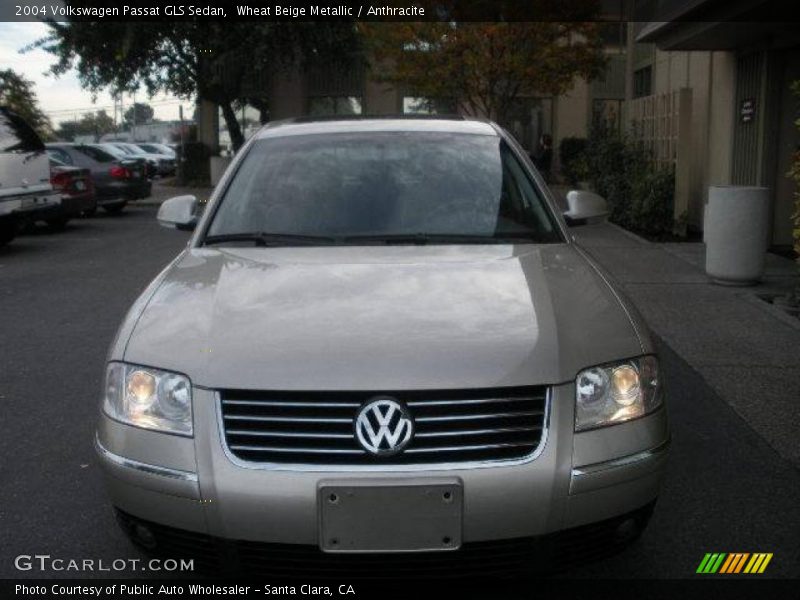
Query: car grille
point(450, 426)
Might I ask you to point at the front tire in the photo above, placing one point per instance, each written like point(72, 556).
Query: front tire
point(114, 209)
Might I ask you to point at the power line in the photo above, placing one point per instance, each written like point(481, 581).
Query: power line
point(97, 107)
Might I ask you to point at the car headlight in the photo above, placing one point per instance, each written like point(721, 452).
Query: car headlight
point(615, 393)
point(148, 398)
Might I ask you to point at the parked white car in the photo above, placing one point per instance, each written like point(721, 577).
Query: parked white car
point(25, 188)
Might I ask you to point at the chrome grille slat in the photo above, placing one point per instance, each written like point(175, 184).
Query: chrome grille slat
point(461, 402)
point(481, 416)
point(291, 434)
point(430, 434)
point(464, 448)
point(282, 403)
point(451, 427)
point(296, 450)
point(287, 419)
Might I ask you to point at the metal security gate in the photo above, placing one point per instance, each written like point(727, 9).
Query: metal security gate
point(749, 109)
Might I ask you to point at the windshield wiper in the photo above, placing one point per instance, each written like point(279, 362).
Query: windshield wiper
point(441, 238)
point(263, 238)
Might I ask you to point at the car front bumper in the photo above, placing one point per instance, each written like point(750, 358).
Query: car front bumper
point(192, 484)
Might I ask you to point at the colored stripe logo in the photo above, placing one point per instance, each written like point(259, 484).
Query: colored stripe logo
point(734, 563)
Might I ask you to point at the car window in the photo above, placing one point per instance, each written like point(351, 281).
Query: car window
point(16, 136)
point(60, 155)
point(95, 153)
point(129, 150)
point(394, 184)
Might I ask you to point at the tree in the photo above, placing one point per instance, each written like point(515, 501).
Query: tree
point(214, 60)
point(138, 114)
point(484, 67)
point(16, 92)
point(95, 124)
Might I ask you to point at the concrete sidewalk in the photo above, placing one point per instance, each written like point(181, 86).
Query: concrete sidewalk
point(747, 350)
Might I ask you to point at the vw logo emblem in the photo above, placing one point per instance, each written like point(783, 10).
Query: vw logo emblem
point(383, 426)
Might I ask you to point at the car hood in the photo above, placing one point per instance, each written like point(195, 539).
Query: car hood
point(380, 318)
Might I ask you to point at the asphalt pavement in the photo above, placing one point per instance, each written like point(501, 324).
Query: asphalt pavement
point(62, 297)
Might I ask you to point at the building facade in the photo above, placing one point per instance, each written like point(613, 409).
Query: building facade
point(739, 71)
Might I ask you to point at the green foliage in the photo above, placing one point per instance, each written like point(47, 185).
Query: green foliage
point(95, 124)
point(138, 114)
point(651, 207)
point(219, 62)
point(572, 158)
point(17, 93)
point(640, 196)
point(485, 67)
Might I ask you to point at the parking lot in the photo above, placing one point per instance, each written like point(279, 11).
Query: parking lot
point(63, 295)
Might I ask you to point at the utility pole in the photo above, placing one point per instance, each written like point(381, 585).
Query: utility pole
point(182, 155)
point(133, 128)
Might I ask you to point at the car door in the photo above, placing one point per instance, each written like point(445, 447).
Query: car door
point(97, 161)
point(24, 165)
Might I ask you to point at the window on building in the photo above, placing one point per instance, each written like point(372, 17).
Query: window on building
point(334, 105)
point(528, 120)
point(607, 113)
point(417, 105)
point(643, 82)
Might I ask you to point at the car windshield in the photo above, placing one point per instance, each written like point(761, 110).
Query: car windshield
point(393, 187)
point(114, 151)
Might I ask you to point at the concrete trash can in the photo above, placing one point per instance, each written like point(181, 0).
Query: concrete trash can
point(735, 233)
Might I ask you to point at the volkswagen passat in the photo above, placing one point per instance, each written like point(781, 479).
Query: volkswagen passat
point(381, 338)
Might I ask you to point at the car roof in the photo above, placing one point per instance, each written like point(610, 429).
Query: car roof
point(339, 124)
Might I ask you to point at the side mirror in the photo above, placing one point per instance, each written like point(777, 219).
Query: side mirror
point(584, 206)
point(179, 212)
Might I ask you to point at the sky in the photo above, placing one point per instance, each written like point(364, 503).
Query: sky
point(63, 98)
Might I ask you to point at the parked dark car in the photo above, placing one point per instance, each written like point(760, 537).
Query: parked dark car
point(77, 192)
point(160, 163)
point(150, 168)
point(156, 148)
point(116, 180)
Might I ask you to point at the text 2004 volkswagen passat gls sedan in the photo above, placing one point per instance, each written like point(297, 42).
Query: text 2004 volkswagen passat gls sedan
point(381, 338)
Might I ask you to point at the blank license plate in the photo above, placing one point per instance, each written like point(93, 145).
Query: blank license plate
point(390, 518)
